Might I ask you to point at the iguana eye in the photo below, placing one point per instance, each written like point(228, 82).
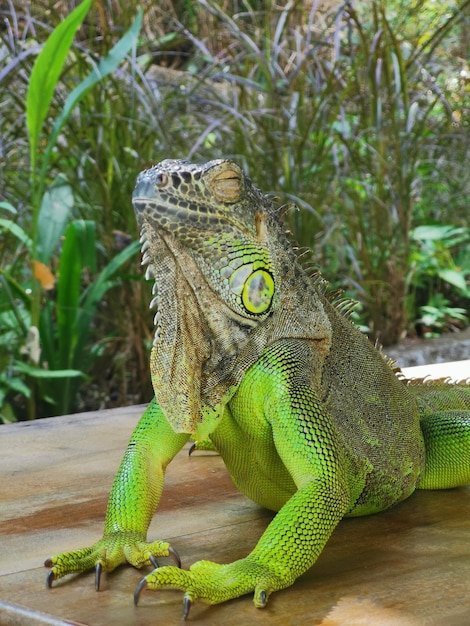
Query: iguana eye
point(258, 292)
point(161, 180)
point(225, 181)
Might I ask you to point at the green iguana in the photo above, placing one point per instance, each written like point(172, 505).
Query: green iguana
point(251, 357)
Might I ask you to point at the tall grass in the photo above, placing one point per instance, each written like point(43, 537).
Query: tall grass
point(341, 119)
point(55, 332)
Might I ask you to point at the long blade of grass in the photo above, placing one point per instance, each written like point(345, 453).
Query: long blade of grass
point(106, 66)
point(99, 287)
point(92, 297)
point(45, 74)
point(8, 207)
point(16, 230)
point(39, 372)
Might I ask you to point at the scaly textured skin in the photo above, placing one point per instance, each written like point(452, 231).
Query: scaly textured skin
point(252, 359)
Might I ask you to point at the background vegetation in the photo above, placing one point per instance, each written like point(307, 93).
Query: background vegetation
point(357, 112)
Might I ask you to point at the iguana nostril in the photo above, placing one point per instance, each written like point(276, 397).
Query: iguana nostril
point(144, 188)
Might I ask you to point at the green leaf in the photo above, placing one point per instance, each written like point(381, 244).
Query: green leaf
point(432, 232)
point(7, 415)
point(56, 207)
point(45, 74)
point(85, 231)
point(68, 294)
point(78, 252)
point(39, 372)
point(453, 277)
point(8, 207)
point(17, 231)
point(99, 287)
point(16, 384)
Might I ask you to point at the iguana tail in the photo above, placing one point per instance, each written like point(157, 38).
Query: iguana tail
point(445, 423)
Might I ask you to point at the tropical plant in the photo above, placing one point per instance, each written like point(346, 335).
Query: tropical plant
point(357, 113)
point(55, 332)
point(439, 265)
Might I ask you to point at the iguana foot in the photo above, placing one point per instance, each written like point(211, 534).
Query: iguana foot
point(107, 553)
point(214, 583)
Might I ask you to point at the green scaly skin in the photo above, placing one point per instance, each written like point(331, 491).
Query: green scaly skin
point(252, 359)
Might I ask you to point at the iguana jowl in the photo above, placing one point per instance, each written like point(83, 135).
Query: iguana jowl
point(251, 356)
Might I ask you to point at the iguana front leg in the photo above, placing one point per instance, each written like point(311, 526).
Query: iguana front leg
point(275, 404)
point(132, 502)
point(289, 546)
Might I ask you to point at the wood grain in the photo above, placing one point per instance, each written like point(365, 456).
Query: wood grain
point(408, 566)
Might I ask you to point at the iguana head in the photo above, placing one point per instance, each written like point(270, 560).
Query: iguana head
point(219, 218)
point(227, 284)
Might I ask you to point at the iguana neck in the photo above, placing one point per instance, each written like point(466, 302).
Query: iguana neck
point(196, 338)
point(202, 348)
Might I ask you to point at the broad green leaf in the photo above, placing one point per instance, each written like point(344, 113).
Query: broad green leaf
point(431, 232)
point(46, 71)
point(453, 277)
point(16, 384)
point(7, 415)
point(12, 289)
point(56, 207)
point(99, 287)
point(47, 333)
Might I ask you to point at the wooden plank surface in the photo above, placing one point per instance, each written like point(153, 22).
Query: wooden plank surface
point(407, 566)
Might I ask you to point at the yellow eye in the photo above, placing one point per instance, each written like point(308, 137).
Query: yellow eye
point(258, 292)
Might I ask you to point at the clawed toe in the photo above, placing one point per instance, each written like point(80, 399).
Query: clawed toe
point(138, 590)
point(175, 556)
point(143, 584)
point(98, 571)
point(187, 607)
point(171, 553)
point(50, 577)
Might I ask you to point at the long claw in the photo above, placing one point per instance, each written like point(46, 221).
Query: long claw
point(154, 562)
point(50, 577)
point(175, 556)
point(187, 607)
point(98, 571)
point(192, 448)
point(263, 598)
point(138, 590)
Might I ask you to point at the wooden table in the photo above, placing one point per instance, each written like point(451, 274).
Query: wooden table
point(407, 566)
